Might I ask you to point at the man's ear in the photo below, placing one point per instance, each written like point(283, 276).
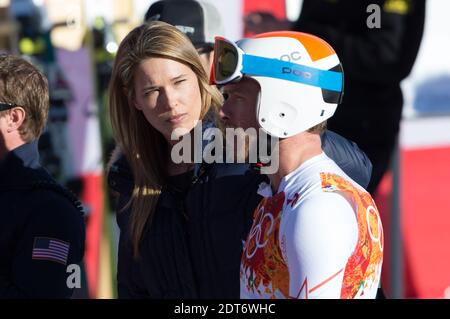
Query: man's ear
point(16, 116)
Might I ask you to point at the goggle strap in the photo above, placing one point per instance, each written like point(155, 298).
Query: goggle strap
point(260, 66)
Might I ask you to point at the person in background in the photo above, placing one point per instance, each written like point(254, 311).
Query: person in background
point(199, 20)
point(262, 21)
point(42, 230)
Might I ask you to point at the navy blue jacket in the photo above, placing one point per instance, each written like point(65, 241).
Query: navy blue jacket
point(193, 247)
point(41, 230)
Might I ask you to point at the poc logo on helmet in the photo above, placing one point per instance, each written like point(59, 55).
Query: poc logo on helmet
point(287, 70)
point(293, 56)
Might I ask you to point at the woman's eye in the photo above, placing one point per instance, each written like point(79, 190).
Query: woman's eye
point(147, 93)
point(180, 81)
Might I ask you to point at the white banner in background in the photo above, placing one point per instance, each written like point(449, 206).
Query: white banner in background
point(427, 89)
point(231, 14)
point(426, 122)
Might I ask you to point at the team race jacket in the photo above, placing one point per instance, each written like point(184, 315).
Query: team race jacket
point(319, 236)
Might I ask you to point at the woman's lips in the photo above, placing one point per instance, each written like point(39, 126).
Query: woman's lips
point(175, 119)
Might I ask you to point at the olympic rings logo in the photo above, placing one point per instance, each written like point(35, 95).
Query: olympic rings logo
point(378, 239)
point(255, 233)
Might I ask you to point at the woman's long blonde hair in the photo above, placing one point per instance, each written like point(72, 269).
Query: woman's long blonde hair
point(145, 148)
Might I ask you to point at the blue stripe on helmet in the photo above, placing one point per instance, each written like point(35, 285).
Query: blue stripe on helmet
point(259, 66)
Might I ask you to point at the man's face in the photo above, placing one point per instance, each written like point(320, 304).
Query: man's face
point(239, 108)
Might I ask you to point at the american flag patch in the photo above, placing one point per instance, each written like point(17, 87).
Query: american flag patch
point(50, 249)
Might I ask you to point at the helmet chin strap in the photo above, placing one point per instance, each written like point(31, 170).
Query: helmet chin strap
point(264, 161)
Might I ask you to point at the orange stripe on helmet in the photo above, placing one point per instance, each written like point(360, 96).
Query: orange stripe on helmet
point(316, 47)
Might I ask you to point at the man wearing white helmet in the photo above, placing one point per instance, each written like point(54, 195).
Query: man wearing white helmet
point(316, 233)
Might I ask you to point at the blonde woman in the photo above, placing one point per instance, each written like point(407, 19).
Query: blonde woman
point(158, 84)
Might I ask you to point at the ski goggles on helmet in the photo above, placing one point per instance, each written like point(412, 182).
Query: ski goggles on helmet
point(231, 63)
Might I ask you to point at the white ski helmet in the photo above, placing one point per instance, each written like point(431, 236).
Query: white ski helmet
point(300, 76)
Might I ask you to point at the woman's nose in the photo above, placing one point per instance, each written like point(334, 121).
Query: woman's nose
point(170, 98)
